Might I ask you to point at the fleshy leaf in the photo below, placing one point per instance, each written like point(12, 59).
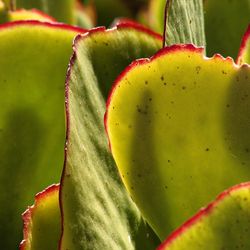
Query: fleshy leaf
point(223, 224)
point(225, 24)
point(183, 23)
point(33, 64)
point(61, 10)
point(178, 125)
point(32, 14)
point(244, 54)
point(97, 211)
point(82, 17)
point(42, 221)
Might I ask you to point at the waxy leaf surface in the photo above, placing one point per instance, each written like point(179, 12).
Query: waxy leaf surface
point(179, 130)
point(42, 221)
point(223, 224)
point(97, 210)
point(33, 65)
point(225, 24)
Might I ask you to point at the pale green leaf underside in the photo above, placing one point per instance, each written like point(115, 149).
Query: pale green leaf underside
point(98, 213)
point(223, 225)
point(33, 65)
point(179, 132)
point(185, 22)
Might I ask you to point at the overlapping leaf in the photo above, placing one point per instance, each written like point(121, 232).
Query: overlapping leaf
point(97, 211)
point(223, 224)
point(179, 131)
point(33, 61)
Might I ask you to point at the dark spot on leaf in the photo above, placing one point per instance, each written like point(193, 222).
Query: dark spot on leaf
point(224, 72)
point(207, 149)
point(198, 69)
point(183, 87)
point(228, 105)
point(162, 78)
point(146, 82)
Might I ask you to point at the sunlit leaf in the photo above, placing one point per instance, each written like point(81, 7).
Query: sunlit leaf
point(97, 210)
point(223, 224)
point(179, 130)
point(33, 64)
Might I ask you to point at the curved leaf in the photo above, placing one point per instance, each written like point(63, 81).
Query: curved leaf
point(178, 125)
point(33, 64)
point(223, 224)
point(97, 211)
point(42, 221)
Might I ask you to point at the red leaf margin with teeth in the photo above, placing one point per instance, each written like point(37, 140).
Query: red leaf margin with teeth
point(169, 49)
point(30, 212)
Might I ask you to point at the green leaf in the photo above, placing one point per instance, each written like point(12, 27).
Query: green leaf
point(183, 23)
point(97, 211)
point(32, 14)
point(225, 24)
point(223, 224)
point(42, 221)
point(179, 130)
point(33, 64)
point(244, 54)
point(61, 10)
